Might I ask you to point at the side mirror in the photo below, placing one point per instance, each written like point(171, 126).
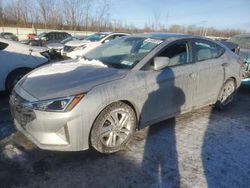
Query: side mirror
point(160, 63)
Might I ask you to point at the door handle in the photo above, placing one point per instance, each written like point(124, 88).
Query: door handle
point(192, 75)
point(225, 65)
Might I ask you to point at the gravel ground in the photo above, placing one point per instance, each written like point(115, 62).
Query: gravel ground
point(204, 148)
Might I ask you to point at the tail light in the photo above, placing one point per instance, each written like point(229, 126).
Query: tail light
point(241, 62)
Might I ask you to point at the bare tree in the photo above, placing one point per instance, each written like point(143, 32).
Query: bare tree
point(23, 8)
point(74, 11)
point(1, 13)
point(87, 14)
point(157, 17)
point(45, 7)
point(177, 29)
point(102, 17)
point(87, 8)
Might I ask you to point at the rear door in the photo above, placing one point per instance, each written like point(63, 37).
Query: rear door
point(210, 64)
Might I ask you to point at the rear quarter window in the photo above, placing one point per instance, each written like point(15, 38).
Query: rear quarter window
point(3, 45)
point(207, 50)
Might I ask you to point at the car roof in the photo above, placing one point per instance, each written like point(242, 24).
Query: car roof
point(3, 40)
point(7, 33)
point(18, 45)
point(163, 36)
point(55, 32)
point(244, 35)
point(105, 33)
point(111, 33)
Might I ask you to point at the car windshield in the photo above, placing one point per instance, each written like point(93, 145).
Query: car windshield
point(96, 37)
point(41, 35)
point(67, 40)
point(124, 52)
point(9, 34)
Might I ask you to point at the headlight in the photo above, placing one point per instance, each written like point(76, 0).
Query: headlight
point(56, 105)
point(80, 47)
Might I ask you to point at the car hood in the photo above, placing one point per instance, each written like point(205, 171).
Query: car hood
point(76, 43)
point(55, 46)
point(67, 78)
point(23, 48)
point(38, 49)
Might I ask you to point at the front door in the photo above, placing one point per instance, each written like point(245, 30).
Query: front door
point(170, 90)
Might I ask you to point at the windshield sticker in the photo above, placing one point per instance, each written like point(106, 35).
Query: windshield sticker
point(154, 41)
point(127, 63)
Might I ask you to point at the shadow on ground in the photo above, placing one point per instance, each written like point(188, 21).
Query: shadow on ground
point(226, 144)
point(150, 159)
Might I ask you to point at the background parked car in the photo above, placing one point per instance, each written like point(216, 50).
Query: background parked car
point(243, 41)
point(59, 45)
point(232, 46)
point(32, 42)
point(77, 48)
point(31, 36)
point(9, 36)
point(52, 37)
point(16, 60)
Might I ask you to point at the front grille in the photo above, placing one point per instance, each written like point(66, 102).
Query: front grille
point(19, 111)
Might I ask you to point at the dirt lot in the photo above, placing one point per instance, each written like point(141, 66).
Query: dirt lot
point(205, 148)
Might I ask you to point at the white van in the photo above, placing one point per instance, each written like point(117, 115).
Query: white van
point(16, 60)
point(78, 48)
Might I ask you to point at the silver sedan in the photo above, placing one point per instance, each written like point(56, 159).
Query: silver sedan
point(99, 101)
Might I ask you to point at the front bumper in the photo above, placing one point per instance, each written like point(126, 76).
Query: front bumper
point(49, 130)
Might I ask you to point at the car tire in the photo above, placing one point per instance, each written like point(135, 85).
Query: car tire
point(14, 77)
point(113, 128)
point(226, 94)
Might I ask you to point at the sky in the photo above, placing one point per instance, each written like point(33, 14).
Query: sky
point(220, 14)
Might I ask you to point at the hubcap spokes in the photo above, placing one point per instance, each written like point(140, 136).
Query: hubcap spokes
point(115, 129)
point(227, 93)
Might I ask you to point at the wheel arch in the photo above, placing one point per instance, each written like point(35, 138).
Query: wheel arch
point(232, 78)
point(13, 71)
point(129, 103)
point(135, 109)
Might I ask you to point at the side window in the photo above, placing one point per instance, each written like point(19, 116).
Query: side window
point(51, 36)
point(110, 38)
point(207, 50)
point(59, 36)
point(117, 36)
point(177, 53)
point(3, 45)
point(65, 36)
point(48, 36)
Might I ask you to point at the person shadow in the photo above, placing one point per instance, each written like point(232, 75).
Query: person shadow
point(225, 148)
point(160, 158)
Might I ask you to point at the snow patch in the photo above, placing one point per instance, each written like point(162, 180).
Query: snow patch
point(92, 62)
point(12, 153)
point(60, 68)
